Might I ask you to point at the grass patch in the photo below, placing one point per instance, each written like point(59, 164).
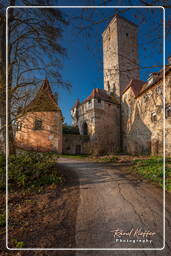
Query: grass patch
point(152, 169)
point(103, 159)
point(75, 156)
point(30, 170)
point(107, 159)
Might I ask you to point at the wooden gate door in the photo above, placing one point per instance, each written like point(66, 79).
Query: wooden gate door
point(78, 149)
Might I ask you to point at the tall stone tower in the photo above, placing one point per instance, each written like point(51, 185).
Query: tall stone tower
point(120, 54)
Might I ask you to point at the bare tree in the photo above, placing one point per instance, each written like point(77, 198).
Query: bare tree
point(87, 21)
point(33, 47)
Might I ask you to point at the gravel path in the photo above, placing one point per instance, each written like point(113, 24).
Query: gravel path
point(111, 198)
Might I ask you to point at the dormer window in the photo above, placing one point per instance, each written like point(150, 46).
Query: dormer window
point(168, 112)
point(38, 125)
point(153, 117)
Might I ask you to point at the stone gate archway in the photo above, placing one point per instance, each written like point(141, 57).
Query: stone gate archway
point(85, 128)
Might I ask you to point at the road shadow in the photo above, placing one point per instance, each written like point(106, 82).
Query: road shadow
point(100, 173)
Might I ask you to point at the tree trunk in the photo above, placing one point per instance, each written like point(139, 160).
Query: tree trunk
point(11, 143)
point(2, 87)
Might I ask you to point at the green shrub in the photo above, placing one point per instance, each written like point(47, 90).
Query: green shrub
point(2, 171)
point(152, 168)
point(2, 220)
point(30, 169)
point(20, 244)
point(17, 244)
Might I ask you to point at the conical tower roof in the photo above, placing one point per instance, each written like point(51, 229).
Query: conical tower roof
point(43, 101)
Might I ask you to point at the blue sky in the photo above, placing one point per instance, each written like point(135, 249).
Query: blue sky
point(83, 66)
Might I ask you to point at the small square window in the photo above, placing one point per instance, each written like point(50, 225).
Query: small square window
point(168, 112)
point(38, 125)
point(146, 97)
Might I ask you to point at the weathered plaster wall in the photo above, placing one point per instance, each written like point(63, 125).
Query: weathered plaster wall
point(141, 134)
point(73, 143)
point(47, 139)
point(107, 128)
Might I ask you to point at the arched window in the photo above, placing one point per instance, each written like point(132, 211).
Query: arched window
point(85, 129)
point(153, 117)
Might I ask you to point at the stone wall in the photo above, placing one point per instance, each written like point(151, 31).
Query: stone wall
point(142, 120)
point(76, 144)
point(107, 129)
point(103, 122)
point(168, 117)
point(120, 55)
point(49, 138)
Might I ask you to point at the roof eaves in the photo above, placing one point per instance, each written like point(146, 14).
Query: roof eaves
point(153, 84)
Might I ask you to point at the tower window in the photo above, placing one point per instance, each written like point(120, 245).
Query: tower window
point(38, 125)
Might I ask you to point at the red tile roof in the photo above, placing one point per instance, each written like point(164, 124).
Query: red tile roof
point(43, 101)
point(136, 86)
point(99, 94)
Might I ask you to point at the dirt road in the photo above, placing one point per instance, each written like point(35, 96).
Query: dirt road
point(114, 200)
